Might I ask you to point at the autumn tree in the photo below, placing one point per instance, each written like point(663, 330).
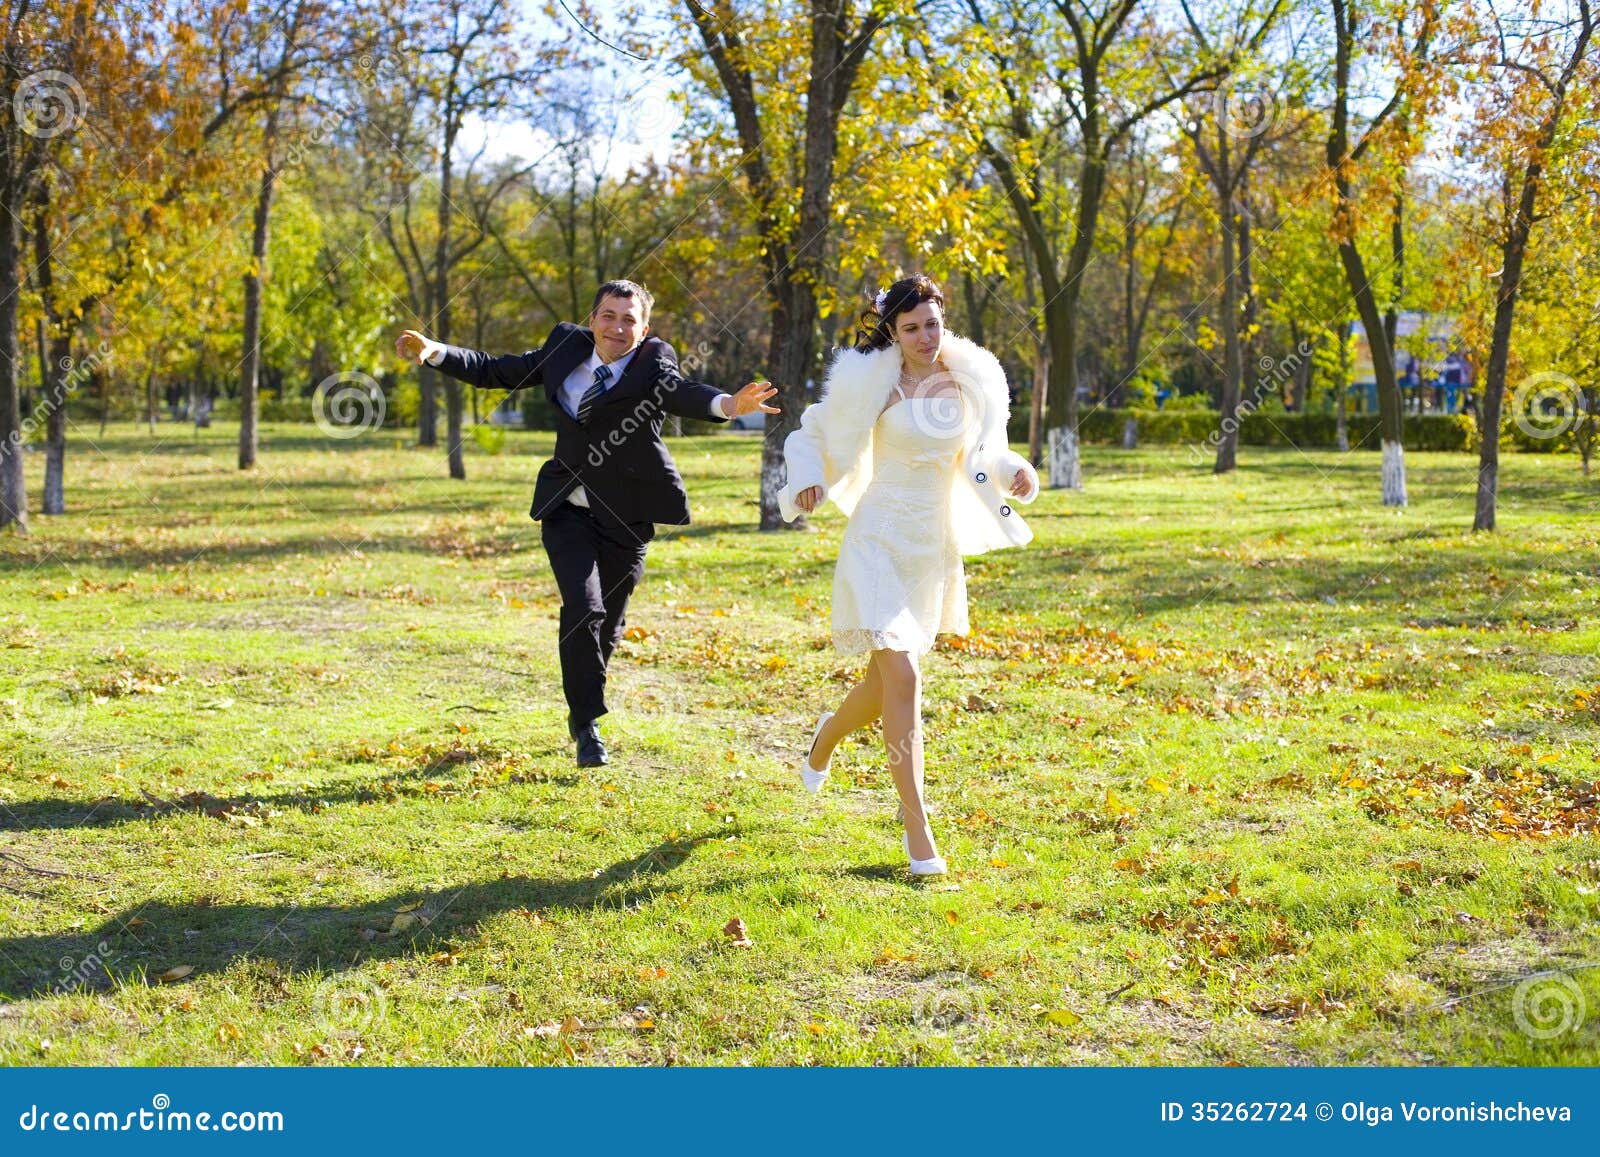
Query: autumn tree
point(1402, 39)
point(764, 62)
point(1064, 75)
point(1227, 128)
point(463, 58)
point(274, 50)
point(126, 110)
point(1535, 78)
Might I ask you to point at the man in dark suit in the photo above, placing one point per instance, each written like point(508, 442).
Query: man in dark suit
point(610, 478)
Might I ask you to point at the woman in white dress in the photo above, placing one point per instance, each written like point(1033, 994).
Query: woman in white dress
point(909, 440)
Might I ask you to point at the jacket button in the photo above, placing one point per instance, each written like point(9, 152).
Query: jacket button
point(1005, 510)
point(982, 477)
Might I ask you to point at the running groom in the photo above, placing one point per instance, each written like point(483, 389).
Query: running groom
point(610, 478)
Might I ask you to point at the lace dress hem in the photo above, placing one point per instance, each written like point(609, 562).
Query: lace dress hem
point(856, 640)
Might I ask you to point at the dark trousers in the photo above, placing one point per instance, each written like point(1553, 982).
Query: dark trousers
point(596, 566)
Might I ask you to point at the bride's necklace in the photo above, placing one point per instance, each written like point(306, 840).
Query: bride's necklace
point(910, 382)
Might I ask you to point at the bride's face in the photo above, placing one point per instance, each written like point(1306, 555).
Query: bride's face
point(920, 332)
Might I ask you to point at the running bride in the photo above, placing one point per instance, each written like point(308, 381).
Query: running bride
point(909, 440)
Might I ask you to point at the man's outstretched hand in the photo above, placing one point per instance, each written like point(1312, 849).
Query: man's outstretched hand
point(414, 347)
point(752, 397)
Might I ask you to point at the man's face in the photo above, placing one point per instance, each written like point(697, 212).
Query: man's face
point(617, 326)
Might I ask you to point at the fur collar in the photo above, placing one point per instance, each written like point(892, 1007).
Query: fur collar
point(858, 385)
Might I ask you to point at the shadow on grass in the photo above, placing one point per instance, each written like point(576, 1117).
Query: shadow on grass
point(224, 554)
point(142, 942)
point(112, 811)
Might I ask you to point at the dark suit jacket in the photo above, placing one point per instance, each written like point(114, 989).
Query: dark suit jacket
point(618, 456)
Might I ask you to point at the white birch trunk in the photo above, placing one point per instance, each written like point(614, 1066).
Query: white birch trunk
point(1394, 474)
point(1065, 468)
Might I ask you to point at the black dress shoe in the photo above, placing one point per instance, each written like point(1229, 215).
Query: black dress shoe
point(591, 751)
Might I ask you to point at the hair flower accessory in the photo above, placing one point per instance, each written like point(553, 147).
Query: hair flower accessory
point(878, 302)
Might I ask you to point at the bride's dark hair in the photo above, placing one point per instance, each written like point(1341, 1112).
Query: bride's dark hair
point(875, 328)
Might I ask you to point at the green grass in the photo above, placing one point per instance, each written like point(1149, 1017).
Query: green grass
point(1246, 770)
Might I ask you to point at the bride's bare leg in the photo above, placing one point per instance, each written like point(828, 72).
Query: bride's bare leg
point(861, 706)
point(902, 737)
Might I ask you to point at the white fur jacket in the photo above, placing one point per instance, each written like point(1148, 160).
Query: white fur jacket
point(833, 446)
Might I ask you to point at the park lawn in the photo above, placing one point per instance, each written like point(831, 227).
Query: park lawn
point(1245, 770)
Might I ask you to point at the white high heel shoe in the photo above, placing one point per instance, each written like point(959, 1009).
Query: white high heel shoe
point(810, 776)
point(934, 866)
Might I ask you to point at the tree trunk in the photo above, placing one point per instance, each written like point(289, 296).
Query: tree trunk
point(1246, 291)
point(1232, 354)
point(55, 455)
point(1130, 326)
point(1391, 417)
point(1061, 323)
point(427, 406)
point(1041, 386)
point(790, 351)
point(1302, 369)
point(59, 373)
point(56, 369)
point(13, 484)
point(1494, 378)
point(441, 299)
point(969, 291)
point(1065, 470)
point(1343, 385)
point(250, 368)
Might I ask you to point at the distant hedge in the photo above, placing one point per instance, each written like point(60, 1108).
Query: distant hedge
point(1098, 426)
point(1306, 431)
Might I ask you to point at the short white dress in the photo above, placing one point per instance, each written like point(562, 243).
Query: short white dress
point(898, 581)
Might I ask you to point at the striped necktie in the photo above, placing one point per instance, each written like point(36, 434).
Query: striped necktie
point(602, 375)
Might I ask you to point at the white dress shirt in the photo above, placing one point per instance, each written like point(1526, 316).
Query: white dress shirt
point(577, 384)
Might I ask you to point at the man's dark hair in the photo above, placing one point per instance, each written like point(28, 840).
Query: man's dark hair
point(629, 289)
